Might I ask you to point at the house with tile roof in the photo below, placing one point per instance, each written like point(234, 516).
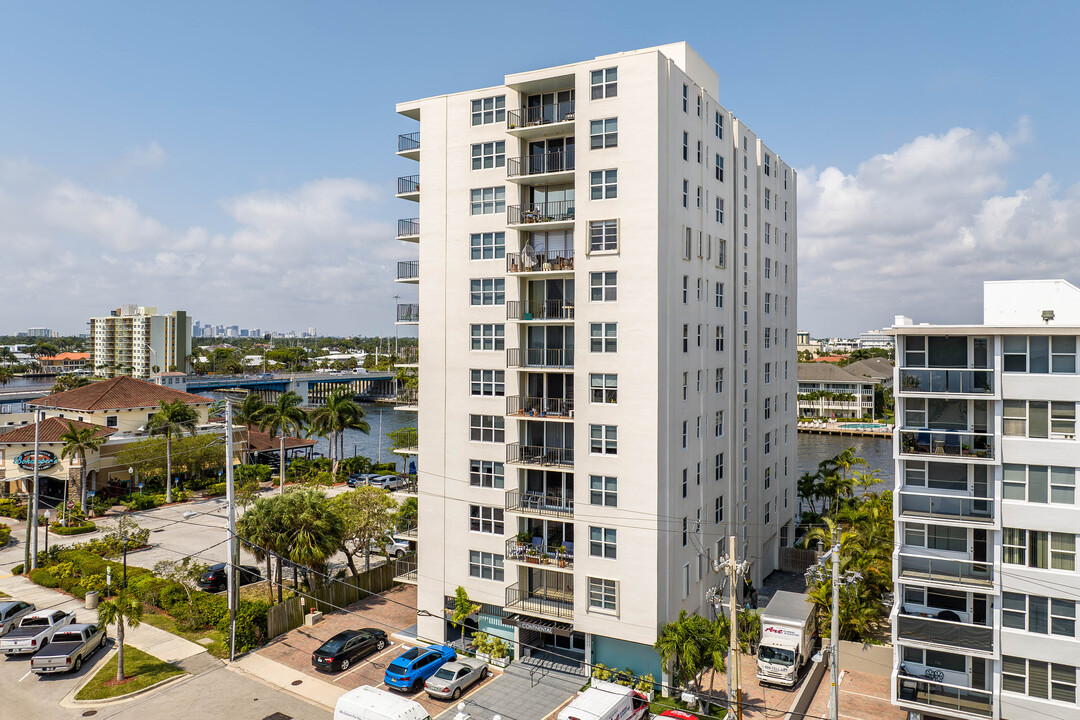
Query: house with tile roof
point(65, 362)
point(17, 458)
point(829, 391)
point(122, 403)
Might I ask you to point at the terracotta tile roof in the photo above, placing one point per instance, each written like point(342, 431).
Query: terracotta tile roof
point(67, 356)
point(51, 430)
point(261, 442)
point(117, 394)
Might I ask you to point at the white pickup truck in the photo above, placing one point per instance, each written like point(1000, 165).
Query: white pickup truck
point(69, 647)
point(34, 632)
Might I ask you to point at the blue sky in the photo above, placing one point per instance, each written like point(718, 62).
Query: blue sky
point(236, 159)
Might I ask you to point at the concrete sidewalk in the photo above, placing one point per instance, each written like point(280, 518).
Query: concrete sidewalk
point(292, 681)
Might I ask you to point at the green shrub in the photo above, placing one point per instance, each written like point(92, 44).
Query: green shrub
point(256, 473)
point(67, 583)
point(5, 535)
point(17, 570)
point(59, 529)
point(79, 591)
point(10, 508)
point(250, 624)
point(148, 588)
point(44, 578)
point(216, 489)
point(136, 503)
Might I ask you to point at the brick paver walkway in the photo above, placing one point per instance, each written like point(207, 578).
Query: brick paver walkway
point(862, 697)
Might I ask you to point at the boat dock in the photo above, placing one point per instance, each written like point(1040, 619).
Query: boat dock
point(818, 427)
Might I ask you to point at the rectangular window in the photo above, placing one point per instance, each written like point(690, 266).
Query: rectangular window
point(719, 126)
point(486, 566)
point(602, 542)
point(768, 199)
point(602, 594)
point(603, 184)
point(768, 337)
point(721, 254)
point(720, 210)
point(489, 110)
point(685, 193)
point(685, 97)
point(768, 407)
point(487, 246)
point(685, 288)
point(603, 337)
point(489, 155)
point(604, 83)
point(685, 338)
point(484, 519)
point(768, 367)
point(718, 510)
point(719, 468)
point(768, 165)
point(768, 268)
point(604, 490)
point(486, 473)
point(487, 201)
point(603, 235)
point(686, 146)
point(719, 380)
point(699, 204)
point(684, 440)
point(603, 287)
point(603, 439)
point(718, 424)
point(719, 295)
point(486, 428)
point(488, 383)
point(768, 442)
point(1039, 484)
point(603, 388)
point(487, 337)
point(686, 538)
point(766, 513)
point(768, 299)
point(768, 232)
point(699, 150)
point(719, 170)
point(719, 338)
point(487, 291)
point(604, 133)
point(699, 106)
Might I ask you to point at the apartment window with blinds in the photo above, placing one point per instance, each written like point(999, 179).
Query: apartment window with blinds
point(603, 594)
point(603, 184)
point(604, 490)
point(1038, 614)
point(1040, 354)
point(1039, 549)
point(603, 337)
point(604, 388)
point(603, 235)
point(1038, 679)
point(604, 439)
point(1039, 484)
point(602, 542)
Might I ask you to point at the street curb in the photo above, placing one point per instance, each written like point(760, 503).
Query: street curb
point(288, 690)
point(70, 701)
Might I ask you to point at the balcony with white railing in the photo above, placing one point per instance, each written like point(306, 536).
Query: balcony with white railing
point(945, 444)
point(918, 506)
point(919, 381)
point(958, 573)
point(942, 698)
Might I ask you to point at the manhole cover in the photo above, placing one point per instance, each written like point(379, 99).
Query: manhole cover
point(297, 682)
point(278, 716)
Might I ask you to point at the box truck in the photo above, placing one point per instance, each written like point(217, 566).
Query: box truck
point(787, 638)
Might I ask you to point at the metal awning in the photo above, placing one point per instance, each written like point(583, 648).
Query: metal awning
point(547, 627)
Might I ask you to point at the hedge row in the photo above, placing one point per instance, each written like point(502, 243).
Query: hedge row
point(5, 535)
point(86, 527)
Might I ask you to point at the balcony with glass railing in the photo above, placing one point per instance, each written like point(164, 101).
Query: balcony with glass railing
point(539, 408)
point(539, 310)
point(942, 380)
point(408, 187)
point(540, 261)
point(408, 145)
point(948, 634)
point(540, 120)
point(550, 601)
point(540, 358)
point(539, 455)
point(408, 271)
point(528, 502)
point(941, 697)
point(408, 229)
point(924, 506)
point(538, 216)
point(947, 443)
point(541, 168)
point(957, 572)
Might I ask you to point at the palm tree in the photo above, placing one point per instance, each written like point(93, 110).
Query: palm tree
point(283, 417)
point(260, 528)
point(338, 414)
point(245, 412)
point(68, 382)
point(78, 442)
point(174, 417)
point(685, 643)
point(123, 607)
point(6, 375)
point(314, 530)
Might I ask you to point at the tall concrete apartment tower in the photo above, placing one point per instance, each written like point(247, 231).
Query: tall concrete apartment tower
point(607, 351)
point(134, 340)
point(984, 623)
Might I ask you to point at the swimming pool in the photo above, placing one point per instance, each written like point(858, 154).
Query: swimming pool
point(864, 426)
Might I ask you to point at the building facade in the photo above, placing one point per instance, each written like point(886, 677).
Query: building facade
point(138, 342)
point(607, 350)
point(829, 391)
point(984, 624)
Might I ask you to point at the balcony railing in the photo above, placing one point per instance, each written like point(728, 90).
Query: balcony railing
point(408, 313)
point(946, 507)
point(522, 406)
point(539, 554)
point(408, 141)
point(540, 164)
point(952, 443)
point(547, 601)
point(405, 569)
point(542, 310)
point(932, 569)
point(408, 184)
point(408, 227)
point(408, 356)
point(540, 358)
point(945, 632)
point(408, 269)
point(540, 115)
point(968, 382)
point(539, 503)
point(406, 530)
point(408, 397)
point(539, 455)
point(921, 691)
point(541, 261)
point(558, 211)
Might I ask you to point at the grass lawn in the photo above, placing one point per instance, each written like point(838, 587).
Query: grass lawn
point(257, 591)
point(144, 670)
point(218, 648)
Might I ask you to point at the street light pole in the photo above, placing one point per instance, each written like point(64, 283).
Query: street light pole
point(32, 518)
point(230, 497)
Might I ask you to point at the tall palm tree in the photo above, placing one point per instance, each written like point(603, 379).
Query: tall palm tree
point(6, 375)
point(682, 643)
point(176, 417)
point(314, 530)
point(78, 442)
point(260, 527)
point(123, 609)
point(245, 412)
point(68, 382)
point(284, 416)
point(338, 414)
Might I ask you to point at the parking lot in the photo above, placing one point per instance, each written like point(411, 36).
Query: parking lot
point(383, 612)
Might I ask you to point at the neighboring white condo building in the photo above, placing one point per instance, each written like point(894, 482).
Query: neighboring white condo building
point(984, 624)
point(607, 371)
point(138, 342)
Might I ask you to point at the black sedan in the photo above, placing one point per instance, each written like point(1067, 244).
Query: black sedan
point(216, 578)
point(348, 646)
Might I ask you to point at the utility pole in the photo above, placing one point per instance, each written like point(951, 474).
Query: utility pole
point(32, 517)
point(733, 570)
point(230, 499)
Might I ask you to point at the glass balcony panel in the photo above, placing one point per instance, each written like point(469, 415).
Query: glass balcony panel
point(923, 691)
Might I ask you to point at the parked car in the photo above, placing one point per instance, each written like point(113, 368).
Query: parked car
point(348, 646)
point(392, 547)
point(68, 649)
point(607, 701)
point(215, 578)
point(34, 632)
point(11, 612)
point(358, 479)
point(409, 670)
point(368, 703)
point(453, 678)
point(389, 482)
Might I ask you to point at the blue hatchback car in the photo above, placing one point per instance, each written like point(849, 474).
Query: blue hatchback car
point(409, 670)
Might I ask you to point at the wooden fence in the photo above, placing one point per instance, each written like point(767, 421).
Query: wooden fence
point(288, 615)
point(797, 559)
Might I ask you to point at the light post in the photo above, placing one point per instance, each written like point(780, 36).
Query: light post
point(48, 516)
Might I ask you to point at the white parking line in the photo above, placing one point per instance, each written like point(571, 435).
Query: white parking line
point(28, 673)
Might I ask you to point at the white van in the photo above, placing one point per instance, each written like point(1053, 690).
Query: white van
point(368, 703)
point(607, 701)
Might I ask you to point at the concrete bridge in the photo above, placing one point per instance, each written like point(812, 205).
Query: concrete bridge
point(314, 388)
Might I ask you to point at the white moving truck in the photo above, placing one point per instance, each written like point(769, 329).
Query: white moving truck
point(607, 701)
point(368, 703)
point(788, 625)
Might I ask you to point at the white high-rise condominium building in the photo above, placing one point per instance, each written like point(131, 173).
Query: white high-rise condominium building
point(985, 618)
point(607, 350)
point(138, 342)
